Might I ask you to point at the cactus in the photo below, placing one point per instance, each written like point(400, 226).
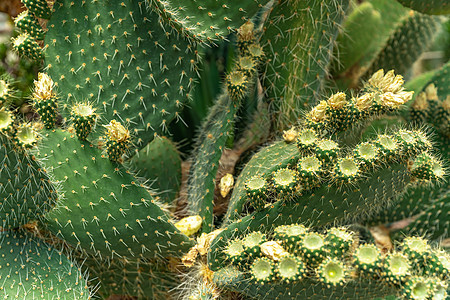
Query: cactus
point(104, 191)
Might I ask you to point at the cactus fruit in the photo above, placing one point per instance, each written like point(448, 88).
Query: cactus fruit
point(83, 117)
point(45, 100)
point(39, 8)
point(26, 45)
point(26, 22)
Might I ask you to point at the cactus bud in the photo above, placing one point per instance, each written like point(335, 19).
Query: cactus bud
point(27, 23)
point(118, 140)
point(83, 118)
point(237, 85)
point(27, 46)
point(39, 8)
point(332, 272)
point(44, 99)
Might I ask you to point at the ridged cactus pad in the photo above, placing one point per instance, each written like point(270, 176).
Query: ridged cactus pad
point(120, 57)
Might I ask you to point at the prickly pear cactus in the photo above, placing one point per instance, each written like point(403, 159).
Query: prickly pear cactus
point(314, 172)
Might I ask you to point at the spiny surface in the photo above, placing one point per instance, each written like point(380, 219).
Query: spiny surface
point(160, 164)
point(26, 192)
point(31, 269)
point(412, 37)
point(102, 208)
point(143, 280)
point(432, 7)
point(122, 59)
point(211, 144)
point(207, 21)
point(298, 42)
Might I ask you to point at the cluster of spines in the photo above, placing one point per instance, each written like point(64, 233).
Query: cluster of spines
point(118, 140)
point(83, 117)
point(238, 81)
point(428, 108)
point(39, 8)
point(293, 252)
point(26, 44)
point(27, 23)
point(383, 93)
point(320, 160)
point(45, 100)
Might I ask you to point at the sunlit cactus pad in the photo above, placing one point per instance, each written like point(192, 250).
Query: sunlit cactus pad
point(121, 58)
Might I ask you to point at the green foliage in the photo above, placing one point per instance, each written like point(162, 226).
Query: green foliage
point(140, 107)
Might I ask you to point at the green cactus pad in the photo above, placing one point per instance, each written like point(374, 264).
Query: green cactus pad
point(303, 289)
point(341, 204)
point(210, 146)
point(206, 21)
point(123, 61)
point(412, 37)
point(434, 220)
point(442, 81)
point(360, 31)
point(26, 22)
point(432, 7)
point(26, 192)
point(26, 45)
point(298, 41)
point(31, 269)
point(102, 208)
point(160, 164)
point(143, 280)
